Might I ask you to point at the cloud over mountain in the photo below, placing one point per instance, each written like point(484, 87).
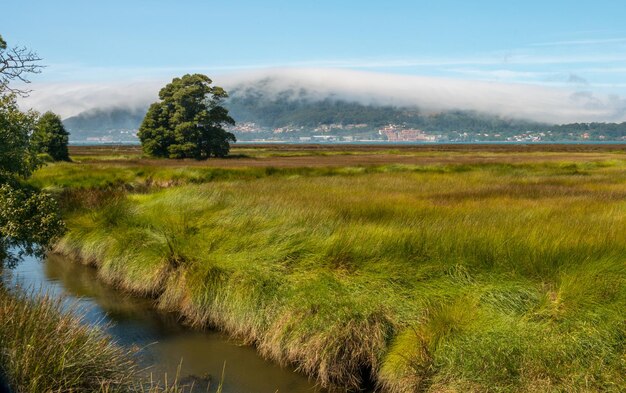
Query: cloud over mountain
point(524, 101)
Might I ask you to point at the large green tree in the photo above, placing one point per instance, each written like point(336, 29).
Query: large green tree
point(51, 137)
point(29, 218)
point(188, 122)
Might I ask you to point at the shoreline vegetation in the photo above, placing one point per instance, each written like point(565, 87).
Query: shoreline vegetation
point(46, 347)
point(414, 270)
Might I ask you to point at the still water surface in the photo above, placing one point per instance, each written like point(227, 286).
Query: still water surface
point(165, 344)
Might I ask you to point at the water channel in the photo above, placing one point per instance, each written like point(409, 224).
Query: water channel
point(165, 344)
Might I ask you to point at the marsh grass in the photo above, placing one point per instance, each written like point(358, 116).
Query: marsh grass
point(46, 350)
point(45, 346)
point(468, 277)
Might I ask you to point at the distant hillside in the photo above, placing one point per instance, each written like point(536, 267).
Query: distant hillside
point(282, 112)
point(103, 120)
point(296, 115)
point(109, 125)
point(303, 116)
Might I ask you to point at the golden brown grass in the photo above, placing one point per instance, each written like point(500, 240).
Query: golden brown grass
point(493, 276)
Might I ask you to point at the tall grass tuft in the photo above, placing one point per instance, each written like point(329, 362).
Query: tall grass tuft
point(46, 347)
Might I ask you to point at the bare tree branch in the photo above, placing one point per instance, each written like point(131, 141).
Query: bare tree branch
point(15, 65)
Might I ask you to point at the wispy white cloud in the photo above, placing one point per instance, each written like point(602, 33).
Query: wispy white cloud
point(540, 78)
point(604, 70)
point(505, 74)
point(517, 58)
point(582, 42)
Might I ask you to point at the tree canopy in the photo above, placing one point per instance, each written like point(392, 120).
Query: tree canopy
point(51, 137)
point(188, 122)
point(29, 219)
point(17, 158)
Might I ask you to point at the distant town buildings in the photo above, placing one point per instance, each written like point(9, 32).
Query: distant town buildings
point(395, 133)
point(338, 126)
point(363, 132)
point(283, 130)
point(528, 136)
point(248, 127)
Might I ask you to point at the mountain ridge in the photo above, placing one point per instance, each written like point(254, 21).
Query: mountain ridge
point(292, 115)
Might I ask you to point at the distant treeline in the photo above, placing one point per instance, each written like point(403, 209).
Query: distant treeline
point(612, 130)
point(306, 114)
point(284, 111)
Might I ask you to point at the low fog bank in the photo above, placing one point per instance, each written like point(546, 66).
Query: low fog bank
point(521, 101)
point(70, 99)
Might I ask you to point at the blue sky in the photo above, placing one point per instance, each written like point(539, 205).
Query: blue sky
point(579, 45)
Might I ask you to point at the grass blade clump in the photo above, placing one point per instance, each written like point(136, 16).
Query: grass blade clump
point(46, 347)
point(43, 349)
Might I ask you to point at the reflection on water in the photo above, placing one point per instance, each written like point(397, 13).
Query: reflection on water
point(164, 341)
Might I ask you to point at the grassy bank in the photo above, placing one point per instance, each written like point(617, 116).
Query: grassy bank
point(46, 348)
point(506, 275)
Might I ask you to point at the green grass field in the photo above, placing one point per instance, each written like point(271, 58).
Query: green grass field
point(498, 271)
